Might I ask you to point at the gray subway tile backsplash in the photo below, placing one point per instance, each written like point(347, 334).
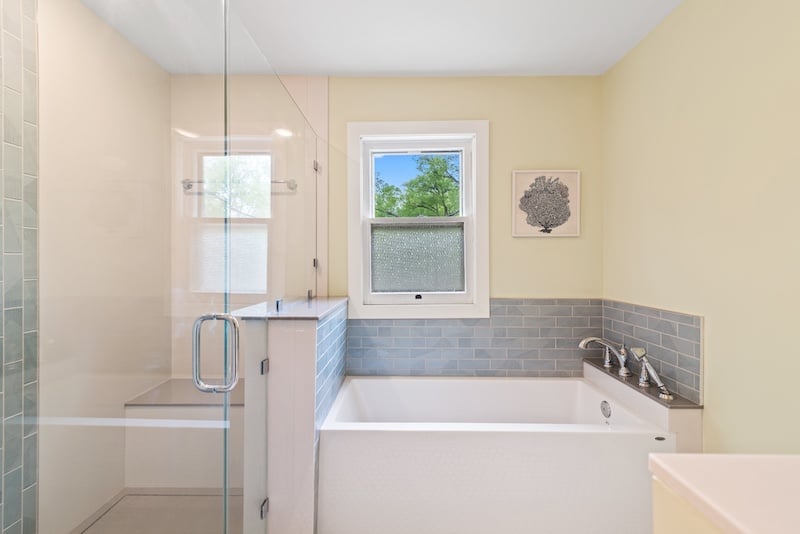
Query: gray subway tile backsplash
point(527, 337)
point(636, 319)
point(474, 364)
point(679, 317)
point(662, 325)
point(331, 343)
point(511, 339)
point(691, 333)
point(672, 340)
point(650, 336)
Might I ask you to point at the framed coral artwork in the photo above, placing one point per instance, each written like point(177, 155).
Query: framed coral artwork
point(546, 203)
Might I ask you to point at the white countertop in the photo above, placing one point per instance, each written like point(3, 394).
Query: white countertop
point(316, 308)
point(752, 494)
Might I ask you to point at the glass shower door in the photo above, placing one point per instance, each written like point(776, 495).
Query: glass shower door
point(149, 220)
point(176, 182)
point(220, 225)
point(245, 221)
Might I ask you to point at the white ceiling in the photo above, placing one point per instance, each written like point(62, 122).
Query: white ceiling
point(379, 37)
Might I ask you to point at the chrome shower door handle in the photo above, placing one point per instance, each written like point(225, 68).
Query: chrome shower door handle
point(233, 341)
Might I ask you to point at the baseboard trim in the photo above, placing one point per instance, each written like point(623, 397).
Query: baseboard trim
point(92, 519)
point(156, 492)
point(177, 492)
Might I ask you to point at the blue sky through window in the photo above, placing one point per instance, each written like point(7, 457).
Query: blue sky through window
point(396, 169)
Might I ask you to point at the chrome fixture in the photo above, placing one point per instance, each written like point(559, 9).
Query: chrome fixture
point(605, 409)
point(607, 363)
point(233, 357)
point(190, 189)
point(621, 354)
point(648, 371)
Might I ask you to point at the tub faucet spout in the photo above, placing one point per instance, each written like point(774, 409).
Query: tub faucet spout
point(621, 353)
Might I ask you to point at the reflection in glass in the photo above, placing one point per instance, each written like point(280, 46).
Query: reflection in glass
point(247, 195)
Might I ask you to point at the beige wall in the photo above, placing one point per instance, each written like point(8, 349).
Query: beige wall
point(535, 123)
point(694, 138)
point(104, 242)
point(700, 192)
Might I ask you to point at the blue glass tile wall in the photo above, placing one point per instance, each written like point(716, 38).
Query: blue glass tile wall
point(331, 344)
point(522, 337)
point(673, 342)
point(528, 337)
point(19, 266)
point(331, 339)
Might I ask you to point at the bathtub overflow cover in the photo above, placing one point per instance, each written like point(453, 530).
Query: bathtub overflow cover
point(605, 407)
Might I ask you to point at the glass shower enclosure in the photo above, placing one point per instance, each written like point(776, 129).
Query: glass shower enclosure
point(178, 184)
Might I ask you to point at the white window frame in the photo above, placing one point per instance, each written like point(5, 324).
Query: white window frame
point(471, 137)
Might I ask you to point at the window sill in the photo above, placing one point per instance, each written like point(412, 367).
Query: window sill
point(478, 310)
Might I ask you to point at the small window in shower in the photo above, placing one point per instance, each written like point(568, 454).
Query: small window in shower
point(246, 194)
point(248, 257)
point(231, 256)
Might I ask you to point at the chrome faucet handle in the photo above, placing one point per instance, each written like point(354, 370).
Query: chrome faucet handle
point(649, 371)
point(607, 358)
point(623, 370)
point(644, 376)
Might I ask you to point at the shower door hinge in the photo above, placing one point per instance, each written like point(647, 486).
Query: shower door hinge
point(315, 165)
point(265, 366)
point(264, 508)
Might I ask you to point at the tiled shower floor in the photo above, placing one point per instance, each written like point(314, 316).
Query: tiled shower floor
point(172, 514)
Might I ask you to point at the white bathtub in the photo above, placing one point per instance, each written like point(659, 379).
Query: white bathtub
point(483, 455)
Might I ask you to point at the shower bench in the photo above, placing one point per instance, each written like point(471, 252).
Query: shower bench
point(174, 439)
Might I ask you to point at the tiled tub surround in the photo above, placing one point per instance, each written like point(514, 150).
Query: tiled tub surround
point(529, 337)
point(331, 345)
point(673, 342)
point(331, 340)
point(522, 337)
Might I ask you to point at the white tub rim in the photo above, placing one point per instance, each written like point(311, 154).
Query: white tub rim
point(330, 424)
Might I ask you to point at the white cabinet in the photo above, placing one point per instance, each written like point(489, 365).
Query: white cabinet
point(730, 493)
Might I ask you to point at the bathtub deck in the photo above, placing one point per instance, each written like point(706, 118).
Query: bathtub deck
point(181, 392)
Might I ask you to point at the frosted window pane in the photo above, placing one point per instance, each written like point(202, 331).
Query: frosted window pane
point(417, 258)
point(248, 266)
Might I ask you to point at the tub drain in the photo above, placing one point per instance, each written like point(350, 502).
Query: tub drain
point(605, 409)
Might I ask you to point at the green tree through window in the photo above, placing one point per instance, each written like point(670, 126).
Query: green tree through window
point(249, 192)
point(435, 191)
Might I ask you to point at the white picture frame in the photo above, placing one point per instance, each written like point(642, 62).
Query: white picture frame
point(546, 203)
